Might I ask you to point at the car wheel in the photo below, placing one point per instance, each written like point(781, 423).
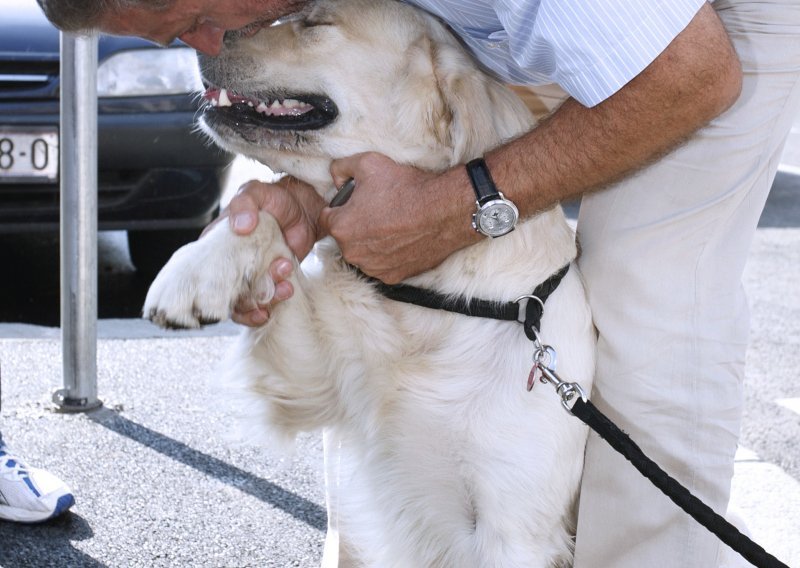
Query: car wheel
point(150, 250)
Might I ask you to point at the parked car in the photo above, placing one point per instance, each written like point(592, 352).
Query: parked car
point(158, 178)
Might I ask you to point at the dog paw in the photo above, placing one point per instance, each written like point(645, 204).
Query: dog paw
point(204, 280)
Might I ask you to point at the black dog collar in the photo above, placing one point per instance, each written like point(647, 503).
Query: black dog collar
point(507, 311)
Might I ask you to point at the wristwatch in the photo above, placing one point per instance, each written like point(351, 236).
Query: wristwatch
point(495, 215)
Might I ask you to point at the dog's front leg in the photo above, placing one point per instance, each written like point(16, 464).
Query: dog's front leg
point(284, 363)
point(204, 280)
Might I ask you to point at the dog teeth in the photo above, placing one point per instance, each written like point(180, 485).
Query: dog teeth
point(224, 100)
point(275, 107)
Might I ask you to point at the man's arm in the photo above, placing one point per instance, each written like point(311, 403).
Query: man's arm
point(392, 232)
point(577, 149)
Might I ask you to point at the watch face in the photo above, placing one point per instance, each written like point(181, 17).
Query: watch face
point(496, 218)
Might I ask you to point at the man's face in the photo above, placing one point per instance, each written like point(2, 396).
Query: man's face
point(199, 23)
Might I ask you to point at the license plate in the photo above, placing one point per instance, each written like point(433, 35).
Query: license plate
point(28, 154)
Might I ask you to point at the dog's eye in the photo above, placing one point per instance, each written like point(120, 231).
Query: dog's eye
point(313, 23)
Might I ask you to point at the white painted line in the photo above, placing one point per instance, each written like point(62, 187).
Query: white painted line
point(792, 404)
point(746, 455)
point(789, 169)
point(119, 329)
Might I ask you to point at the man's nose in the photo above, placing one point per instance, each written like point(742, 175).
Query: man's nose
point(206, 38)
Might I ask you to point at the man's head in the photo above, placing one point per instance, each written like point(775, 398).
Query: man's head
point(199, 23)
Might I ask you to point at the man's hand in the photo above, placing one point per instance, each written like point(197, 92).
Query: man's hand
point(296, 206)
point(399, 221)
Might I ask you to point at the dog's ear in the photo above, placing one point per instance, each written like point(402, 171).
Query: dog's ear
point(446, 100)
point(469, 111)
point(421, 113)
point(484, 112)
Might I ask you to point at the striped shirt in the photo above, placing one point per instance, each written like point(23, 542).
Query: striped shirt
point(591, 48)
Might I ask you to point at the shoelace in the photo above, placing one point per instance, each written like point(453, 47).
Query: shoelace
point(12, 468)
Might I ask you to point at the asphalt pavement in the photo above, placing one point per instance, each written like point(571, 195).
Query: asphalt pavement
point(161, 480)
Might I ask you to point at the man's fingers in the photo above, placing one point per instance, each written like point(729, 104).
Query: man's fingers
point(283, 291)
point(253, 318)
point(343, 169)
point(280, 269)
point(324, 220)
point(243, 208)
point(254, 310)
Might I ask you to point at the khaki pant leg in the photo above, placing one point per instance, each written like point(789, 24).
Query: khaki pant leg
point(663, 255)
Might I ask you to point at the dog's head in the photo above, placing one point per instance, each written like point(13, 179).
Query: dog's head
point(348, 76)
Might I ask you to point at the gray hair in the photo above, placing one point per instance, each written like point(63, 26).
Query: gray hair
point(85, 15)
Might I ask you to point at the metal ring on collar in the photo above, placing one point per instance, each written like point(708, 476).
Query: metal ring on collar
point(521, 314)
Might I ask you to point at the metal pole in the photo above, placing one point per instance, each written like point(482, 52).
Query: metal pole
point(78, 149)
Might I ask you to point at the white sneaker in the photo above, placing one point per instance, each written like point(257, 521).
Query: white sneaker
point(29, 495)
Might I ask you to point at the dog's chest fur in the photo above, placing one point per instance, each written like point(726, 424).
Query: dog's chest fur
point(441, 457)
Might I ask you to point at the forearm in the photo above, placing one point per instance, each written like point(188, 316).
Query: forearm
point(579, 149)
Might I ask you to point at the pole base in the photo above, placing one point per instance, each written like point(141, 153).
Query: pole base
point(66, 403)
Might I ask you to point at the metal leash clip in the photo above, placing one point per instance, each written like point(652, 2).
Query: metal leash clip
point(543, 356)
point(565, 390)
point(544, 370)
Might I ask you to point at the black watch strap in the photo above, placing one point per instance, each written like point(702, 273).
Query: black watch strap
point(481, 180)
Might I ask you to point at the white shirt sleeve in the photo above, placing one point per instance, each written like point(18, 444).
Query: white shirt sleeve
point(591, 48)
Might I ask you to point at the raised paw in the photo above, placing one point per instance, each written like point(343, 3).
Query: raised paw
point(204, 280)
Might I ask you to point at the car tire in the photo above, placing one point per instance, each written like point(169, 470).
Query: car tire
point(150, 250)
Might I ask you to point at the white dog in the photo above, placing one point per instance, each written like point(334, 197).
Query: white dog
point(436, 453)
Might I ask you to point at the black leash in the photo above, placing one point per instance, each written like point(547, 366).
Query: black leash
point(682, 497)
point(582, 408)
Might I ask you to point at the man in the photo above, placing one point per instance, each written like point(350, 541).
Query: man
point(656, 110)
